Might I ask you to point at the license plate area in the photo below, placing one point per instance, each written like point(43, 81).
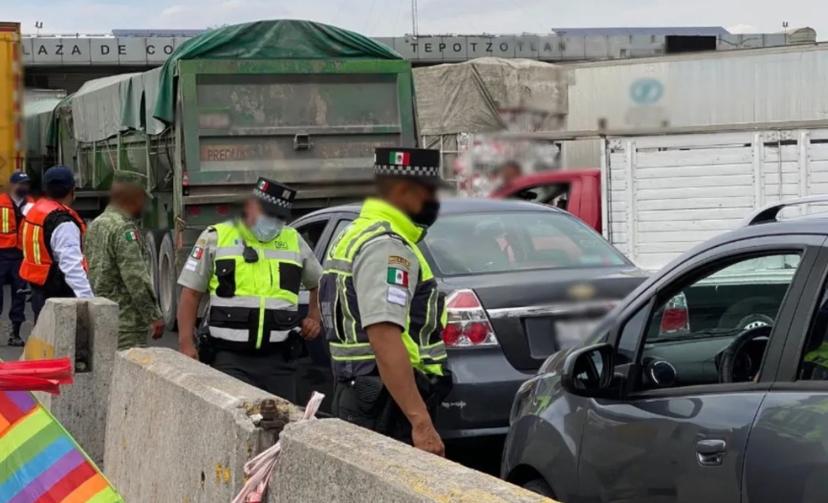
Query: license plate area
point(547, 335)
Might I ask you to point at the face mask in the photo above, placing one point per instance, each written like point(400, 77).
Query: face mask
point(267, 228)
point(21, 193)
point(428, 214)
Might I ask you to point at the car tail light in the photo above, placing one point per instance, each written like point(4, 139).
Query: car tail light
point(467, 324)
point(676, 316)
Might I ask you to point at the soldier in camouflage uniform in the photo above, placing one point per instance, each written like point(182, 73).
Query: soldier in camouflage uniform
point(119, 266)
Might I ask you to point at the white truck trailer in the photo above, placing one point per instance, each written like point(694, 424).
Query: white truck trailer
point(664, 193)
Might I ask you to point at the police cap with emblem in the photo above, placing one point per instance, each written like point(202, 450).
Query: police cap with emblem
point(420, 164)
point(276, 199)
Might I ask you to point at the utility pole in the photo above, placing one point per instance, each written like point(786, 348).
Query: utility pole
point(414, 23)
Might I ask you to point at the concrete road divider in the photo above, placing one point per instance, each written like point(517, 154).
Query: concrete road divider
point(333, 461)
point(179, 430)
point(85, 331)
point(169, 428)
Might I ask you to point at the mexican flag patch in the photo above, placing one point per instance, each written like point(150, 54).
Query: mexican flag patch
point(400, 158)
point(397, 276)
point(131, 236)
point(263, 185)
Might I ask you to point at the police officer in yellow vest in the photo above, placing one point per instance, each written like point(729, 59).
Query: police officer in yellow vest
point(381, 310)
point(252, 268)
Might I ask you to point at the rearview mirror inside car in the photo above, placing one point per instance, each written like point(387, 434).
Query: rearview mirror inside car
point(588, 371)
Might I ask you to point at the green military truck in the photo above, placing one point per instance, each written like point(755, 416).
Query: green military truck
point(301, 102)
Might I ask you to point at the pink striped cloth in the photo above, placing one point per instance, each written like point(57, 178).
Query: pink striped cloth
point(260, 468)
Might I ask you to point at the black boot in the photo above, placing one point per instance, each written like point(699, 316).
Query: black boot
point(15, 339)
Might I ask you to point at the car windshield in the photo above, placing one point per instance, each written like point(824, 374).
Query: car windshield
point(513, 241)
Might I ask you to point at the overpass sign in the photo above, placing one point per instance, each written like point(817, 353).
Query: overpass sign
point(150, 51)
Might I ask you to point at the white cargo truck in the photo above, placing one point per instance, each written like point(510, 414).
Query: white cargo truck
point(664, 193)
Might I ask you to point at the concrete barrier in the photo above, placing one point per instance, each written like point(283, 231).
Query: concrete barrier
point(179, 430)
point(86, 331)
point(335, 462)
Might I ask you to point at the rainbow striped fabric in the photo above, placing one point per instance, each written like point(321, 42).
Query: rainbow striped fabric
point(39, 460)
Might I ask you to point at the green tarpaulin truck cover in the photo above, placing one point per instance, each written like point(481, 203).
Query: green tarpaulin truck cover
point(279, 39)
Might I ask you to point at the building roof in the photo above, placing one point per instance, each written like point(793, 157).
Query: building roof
point(157, 32)
point(712, 31)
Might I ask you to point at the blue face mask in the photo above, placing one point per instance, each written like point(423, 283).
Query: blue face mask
point(267, 228)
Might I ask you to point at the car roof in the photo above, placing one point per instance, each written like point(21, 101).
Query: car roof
point(812, 224)
point(458, 205)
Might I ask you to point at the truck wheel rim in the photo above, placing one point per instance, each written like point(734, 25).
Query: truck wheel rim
point(164, 283)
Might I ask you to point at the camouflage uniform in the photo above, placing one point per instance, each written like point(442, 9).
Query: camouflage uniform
point(119, 270)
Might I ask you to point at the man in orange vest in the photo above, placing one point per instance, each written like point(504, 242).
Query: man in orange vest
point(53, 261)
point(13, 205)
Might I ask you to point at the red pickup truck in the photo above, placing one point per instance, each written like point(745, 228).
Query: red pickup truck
point(577, 191)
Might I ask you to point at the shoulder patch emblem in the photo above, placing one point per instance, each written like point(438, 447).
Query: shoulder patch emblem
point(198, 252)
point(131, 236)
point(396, 260)
point(397, 295)
point(397, 276)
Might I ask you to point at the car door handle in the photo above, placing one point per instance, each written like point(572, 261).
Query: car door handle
point(710, 452)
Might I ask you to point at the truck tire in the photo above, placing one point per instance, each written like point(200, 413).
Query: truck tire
point(151, 244)
point(167, 284)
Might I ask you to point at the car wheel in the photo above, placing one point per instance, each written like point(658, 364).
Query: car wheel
point(539, 486)
point(752, 321)
point(747, 311)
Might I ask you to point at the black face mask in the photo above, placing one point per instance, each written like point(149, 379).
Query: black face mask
point(428, 214)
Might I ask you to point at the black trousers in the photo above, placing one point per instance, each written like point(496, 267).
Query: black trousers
point(10, 275)
point(40, 295)
point(38, 301)
point(364, 401)
point(273, 372)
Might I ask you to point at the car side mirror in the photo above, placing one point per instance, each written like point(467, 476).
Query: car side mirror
point(588, 371)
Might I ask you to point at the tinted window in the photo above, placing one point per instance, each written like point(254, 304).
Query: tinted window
point(311, 232)
point(554, 195)
point(814, 362)
point(512, 241)
point(628, 342)
point(716, 329)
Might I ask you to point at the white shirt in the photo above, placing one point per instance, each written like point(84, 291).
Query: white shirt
point(21, 204)
point(66, 248)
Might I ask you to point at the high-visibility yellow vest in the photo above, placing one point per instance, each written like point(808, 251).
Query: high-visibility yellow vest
point(350, 350)
point(253, 305)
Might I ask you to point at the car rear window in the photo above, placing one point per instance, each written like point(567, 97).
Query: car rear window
point(513, 241)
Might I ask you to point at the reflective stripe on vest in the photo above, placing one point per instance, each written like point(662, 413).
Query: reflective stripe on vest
point(348, 342)
point(37, 260)
point(9, 231)
point(252, 304)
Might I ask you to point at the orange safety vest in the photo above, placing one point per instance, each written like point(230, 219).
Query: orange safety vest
point(37, 257)
point(8, 222)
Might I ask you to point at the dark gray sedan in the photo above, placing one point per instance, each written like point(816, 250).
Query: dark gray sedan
point(708, 383)
point(522, 281)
